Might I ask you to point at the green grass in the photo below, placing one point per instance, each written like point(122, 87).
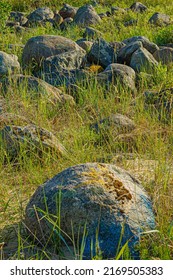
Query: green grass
point(153, 139)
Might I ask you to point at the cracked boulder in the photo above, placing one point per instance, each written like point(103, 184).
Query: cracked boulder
point(99, 205)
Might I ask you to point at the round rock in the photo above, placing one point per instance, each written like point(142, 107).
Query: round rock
point(99, 207)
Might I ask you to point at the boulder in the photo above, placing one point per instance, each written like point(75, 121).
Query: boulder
point(160, 19)
point(40, 15)
point(84, 44)
point(149, 46)
point(125, 53)
point(117, 122)
point(66, 23)
point(92, 33)
point(65, 61)
point(102, 53)
point(138, 7)
point(8, 63)
point(68, 11)
point(117, 10)
point(164, 55)
point(142, 60)
point(57, 19)
point(35, 87)
point(86, 15)
point(119, 75)
point(31, 138)
point(38, 48)
point(101, 207)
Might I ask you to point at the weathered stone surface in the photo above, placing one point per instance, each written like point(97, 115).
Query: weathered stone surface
point(102, 53)
point(65, 61)
point(84, 44)
point(105, 199)
point(31, 137)
point(39, 15)
point(92, 33)
point(57, 19)
point(125, 53)
point(164, 55)
point(150, 46)
point(8, 63)
point(66, 23)
point(142, 60)
point(138, 7)
point(68, 11)
point(160, 19)
point(40, 47)
point(118, 74)
point(35, 87)
point(117, 122)
point(117, 10)
point(86, 15)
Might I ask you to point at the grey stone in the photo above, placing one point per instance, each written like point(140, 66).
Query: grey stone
point(40, 47)
point(142, 60)
point(35, 87)
point(66, 23)
point(117, 10)
point(164, 55)
point(68, 11)
point(84, 44)
point(31, 137)
point(160, 19)
point(100, 204)
point(118, 74)
point(86, 15)
point(39, 15)
point(102, 53)
point(138, 7)
point(118, 123)
point(57, 19)
point(8, 63)
point(92, 33)
point(150, 46)
point(125, 53)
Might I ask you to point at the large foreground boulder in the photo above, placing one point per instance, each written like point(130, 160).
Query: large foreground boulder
point(96, 205)
point(40, 47)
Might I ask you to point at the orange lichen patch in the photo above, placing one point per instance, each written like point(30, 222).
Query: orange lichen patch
point(96, 68)
point(105, 178)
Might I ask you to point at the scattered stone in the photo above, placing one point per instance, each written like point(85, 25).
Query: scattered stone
point(86, 15)
point(102, 53)
point(68, 11)
point(35, 87)
point(160, 19)
point(92, 33)
point(117, 10)
point(120, 207)
point(8, 63)
point(149, 46)
point(66, 23)
point(143, 60)
point(118, 74)
point(30, 137)
point(138, 7)
point(84, 44)
point(39, 48)
point(164, 55)
point(131, 22)
point(117, 122)
point(125, 53)
point(57, 19)
point(39, 15)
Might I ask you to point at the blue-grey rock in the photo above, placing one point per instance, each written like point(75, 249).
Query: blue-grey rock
point(99, 205)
